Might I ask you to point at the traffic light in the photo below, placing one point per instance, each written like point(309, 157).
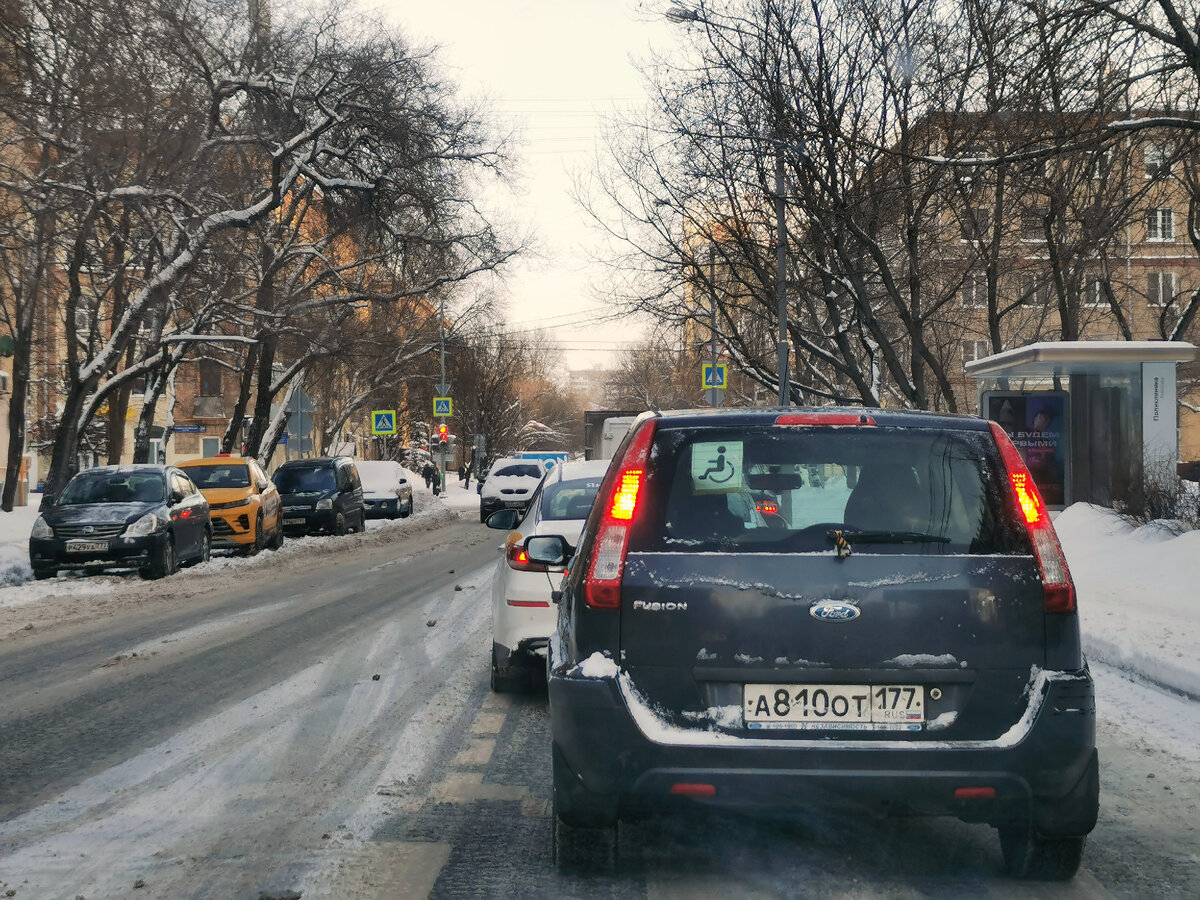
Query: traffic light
point(443, 433)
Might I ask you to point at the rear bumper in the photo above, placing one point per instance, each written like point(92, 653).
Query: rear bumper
point(1043, 768)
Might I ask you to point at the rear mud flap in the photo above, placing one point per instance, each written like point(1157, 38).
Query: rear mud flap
point(1074, 814)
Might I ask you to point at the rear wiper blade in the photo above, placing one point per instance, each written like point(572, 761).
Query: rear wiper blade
point(889, 537)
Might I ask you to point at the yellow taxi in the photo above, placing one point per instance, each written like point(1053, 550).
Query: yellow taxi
point(243, 502)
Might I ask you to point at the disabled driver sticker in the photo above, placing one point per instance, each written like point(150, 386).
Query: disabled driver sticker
point(717, 467)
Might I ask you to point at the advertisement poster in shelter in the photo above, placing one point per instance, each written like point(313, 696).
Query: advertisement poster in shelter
point(1036, 421)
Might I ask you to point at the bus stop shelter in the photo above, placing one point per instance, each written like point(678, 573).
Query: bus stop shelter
point(1089, 417)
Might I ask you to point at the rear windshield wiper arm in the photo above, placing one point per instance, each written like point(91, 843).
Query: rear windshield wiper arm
point(889, 537)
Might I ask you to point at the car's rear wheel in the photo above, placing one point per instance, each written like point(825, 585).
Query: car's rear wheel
point(205, 549)
point(509, 680)
point(583, 825)
point(167, 563)
point(277, 537)
point(1030, 855)
point(260, 539)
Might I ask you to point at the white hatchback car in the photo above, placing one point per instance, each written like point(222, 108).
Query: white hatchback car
point(523, 618)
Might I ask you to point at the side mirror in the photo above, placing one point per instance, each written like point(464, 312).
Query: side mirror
point(176, 497)
point(403, 480)
point(503, 519)
point(551, 549)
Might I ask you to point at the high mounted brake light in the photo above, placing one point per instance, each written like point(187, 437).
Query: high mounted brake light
point(1057, 588)
point(819, 418)
point(618, 498)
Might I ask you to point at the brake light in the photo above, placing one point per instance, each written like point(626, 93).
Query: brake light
point(820, 418)
point(620, 494)
point(1057, 588)
point(518, 559)
point(769, 509)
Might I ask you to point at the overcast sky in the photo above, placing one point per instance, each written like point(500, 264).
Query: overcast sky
point(554, 67)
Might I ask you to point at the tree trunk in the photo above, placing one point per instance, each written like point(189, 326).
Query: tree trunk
point(233, 433)
point(16, 424)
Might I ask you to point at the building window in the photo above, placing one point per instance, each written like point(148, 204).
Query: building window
point(1032, 226)
point(1157, 158)
point(1095, 292)
point(974, 291)
point(973, 350)
point(1102, 164)
point(975, 224)
point(1160, 225)
point(210, 378)
point(210, 446)
point(1034, 290)
point(1160, 288)
point(83, 321)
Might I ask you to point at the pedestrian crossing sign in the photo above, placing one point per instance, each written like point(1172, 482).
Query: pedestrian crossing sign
point(713, 375)
point(443, 406)
point(383, 421)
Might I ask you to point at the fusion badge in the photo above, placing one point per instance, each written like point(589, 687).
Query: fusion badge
point(834, 611)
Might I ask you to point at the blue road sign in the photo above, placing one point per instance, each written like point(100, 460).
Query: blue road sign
point(383, 421)
point(443, 406)
point(713, 375)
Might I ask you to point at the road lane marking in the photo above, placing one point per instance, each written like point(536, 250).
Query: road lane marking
point(487, 723)
point(477, 753)
point(405, 870)
point(467, 787)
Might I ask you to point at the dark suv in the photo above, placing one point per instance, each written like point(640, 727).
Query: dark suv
point(898, 632)
point(322, 494)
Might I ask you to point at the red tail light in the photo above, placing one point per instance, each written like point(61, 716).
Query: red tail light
point(517, 558)
point(768, 508)
point(1057, 587)
point(618, 498)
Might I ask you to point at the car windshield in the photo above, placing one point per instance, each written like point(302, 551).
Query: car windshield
point(782, 490)
point(233, 475)
point(113, 488)
point(526, 470)
point(569, 499)
point(305, 480)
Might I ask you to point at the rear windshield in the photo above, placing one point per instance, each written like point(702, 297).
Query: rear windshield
point(569, 499)
point(305, 479)
point(524, 471)
point(144, 487)
point(222, 476)
point(771, 489)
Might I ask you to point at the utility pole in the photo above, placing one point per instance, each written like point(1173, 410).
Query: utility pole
point(442, 382)
point(781, 274)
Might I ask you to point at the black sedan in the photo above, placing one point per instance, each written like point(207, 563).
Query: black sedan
point(147, 517)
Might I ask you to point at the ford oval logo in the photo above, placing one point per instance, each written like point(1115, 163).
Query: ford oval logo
point(833, 611)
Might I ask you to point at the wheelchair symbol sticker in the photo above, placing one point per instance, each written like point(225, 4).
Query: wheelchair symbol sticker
point(717, 467)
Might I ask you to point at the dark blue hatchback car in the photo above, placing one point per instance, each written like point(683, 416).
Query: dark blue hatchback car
point(144, 516)
point(821, 607)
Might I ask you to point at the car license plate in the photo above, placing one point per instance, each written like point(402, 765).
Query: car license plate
point(87, 546)
point(846, 707)
point(293, 521)
point(514, 504)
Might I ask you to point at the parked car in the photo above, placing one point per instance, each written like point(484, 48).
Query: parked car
point(147, 517)
point(386, 490)
point(509, 484)
point(908, 646)
point(320, 495)
point(243, 503)
point(522, 615)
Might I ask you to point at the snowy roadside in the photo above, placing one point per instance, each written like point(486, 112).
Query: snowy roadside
point(1138, 602)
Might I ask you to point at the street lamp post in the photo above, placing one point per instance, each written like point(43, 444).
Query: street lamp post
point(685, 15)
